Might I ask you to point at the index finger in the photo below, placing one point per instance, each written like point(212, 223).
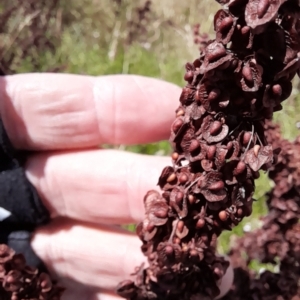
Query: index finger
point(63, 111)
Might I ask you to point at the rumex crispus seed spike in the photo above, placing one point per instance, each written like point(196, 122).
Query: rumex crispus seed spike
point(219, 147)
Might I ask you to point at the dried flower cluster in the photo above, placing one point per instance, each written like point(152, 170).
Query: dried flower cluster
point(239, 80)
point(278, 240)
point(21, 282)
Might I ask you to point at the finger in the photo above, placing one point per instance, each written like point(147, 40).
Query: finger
point(61, 111)
point(100, 186)
point(95, 257)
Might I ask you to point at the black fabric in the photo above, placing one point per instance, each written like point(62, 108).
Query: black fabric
point(17, 194)
point(8, 159)
point(19, 197)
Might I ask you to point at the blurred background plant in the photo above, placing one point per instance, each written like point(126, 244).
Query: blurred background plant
point(97, 37)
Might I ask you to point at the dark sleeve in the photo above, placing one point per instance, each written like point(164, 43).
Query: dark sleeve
point(21, 209)
point(19, 201)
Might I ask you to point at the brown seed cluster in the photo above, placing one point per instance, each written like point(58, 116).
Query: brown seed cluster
point(21, 282)
point(278, 240)
point(239, 80)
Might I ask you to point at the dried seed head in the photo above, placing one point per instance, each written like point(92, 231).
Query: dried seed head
point(219, 148)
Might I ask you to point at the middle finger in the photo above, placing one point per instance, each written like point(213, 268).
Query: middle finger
point(99, 186)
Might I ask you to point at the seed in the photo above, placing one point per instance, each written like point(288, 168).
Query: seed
point(200, 223)
point(216, 186)
point(171, 177)
point(226, 23)
point(192, 199)
point(169, 250)
point(277, 90)
point(150, 227)
point(183, 178)
point(184, 248)
point(211, 152)
point(262, 8)
point(234, 63)
point(245, 30)
point(241, 166)
point(229, 145)
point(188, 76)
point(177, 240)
point(180, 226)
point(161, 213)
point(216, 54)
point(240, 212)
point(214, 94)
point(151, 256)
point(179, 197)
point(223, 215)
point(194, 145)
point(246, 137)
point(215, 127)
point(177, 125)
point(180, 113)
point(175, 155)
point(247, 74)
point(256, 149)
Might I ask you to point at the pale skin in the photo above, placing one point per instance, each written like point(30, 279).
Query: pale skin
point(62, 120)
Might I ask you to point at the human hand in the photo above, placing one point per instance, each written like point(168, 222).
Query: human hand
point(62, 120)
